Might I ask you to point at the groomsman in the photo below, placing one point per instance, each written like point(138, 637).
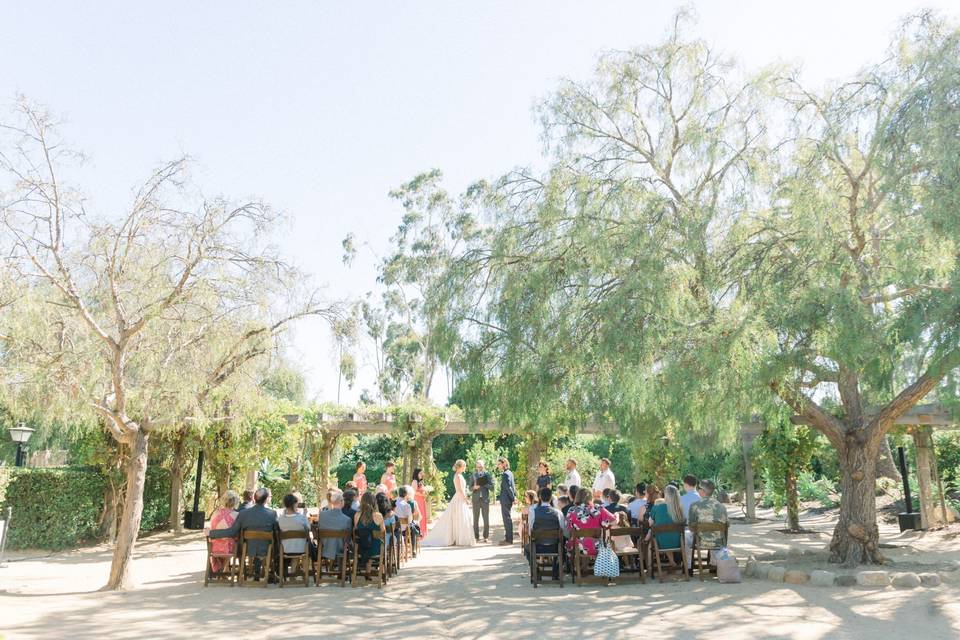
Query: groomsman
point(507, 496)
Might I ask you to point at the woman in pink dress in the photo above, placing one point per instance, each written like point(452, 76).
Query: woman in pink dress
point(585, 515)
point(420, 496)
point(389, 479)
point(223, 519)
point(360, 479)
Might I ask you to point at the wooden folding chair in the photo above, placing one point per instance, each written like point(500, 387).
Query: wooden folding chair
point(301, 560)
point(229, 574)
point(659, 551)
point(393, 551)
point(248, 562)
point(632, 559)
point(406, 538)
point(380, 560)
point(546, 559)
point(524, 531)
point(332, 569)
point(698, 529)
point(583, 561)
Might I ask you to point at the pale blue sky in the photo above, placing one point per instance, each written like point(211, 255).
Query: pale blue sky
point(322, 108)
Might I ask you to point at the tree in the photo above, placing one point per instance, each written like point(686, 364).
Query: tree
point(120, 314)
point(702, 239)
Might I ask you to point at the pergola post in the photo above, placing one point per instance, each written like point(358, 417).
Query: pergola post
point(923, 444)
point(748, 433)
point(328, 441)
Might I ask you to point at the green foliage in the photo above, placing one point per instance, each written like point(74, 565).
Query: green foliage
point(814, 489)
point(156, 500)
point(53, 509)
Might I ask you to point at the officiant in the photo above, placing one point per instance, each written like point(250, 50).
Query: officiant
point(482, 483)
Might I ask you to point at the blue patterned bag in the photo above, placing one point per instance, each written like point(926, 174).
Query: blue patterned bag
point(607, 564)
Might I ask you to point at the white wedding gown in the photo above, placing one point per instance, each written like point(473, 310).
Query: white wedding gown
point(454, 527)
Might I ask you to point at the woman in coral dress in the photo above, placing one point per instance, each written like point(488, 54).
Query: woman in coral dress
point(420, 497)
point(360, 479)
point(223, 519)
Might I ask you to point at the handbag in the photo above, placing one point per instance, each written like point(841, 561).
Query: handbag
point(607, 564)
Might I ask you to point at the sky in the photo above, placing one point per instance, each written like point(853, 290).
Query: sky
point(322, 108)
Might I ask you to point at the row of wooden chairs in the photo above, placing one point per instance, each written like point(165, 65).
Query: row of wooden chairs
point(396, 548)
point(639, 559)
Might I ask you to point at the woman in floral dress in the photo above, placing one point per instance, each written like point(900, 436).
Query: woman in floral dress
point(585, 515)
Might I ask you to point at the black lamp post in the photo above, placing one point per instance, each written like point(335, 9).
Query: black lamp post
point(20, 434)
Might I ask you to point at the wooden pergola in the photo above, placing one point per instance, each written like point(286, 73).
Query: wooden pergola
point(418, 447)
point(921, 421)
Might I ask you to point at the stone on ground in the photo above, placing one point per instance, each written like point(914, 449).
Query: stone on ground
point(795, 576)
point(906, 580)
point(751, 569)
point(873, 579)
point(930, 579)
point(845, 580)
point(776, 574)
point(820, 578)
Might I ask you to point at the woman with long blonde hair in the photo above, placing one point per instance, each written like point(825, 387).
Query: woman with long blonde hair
point(454, 527)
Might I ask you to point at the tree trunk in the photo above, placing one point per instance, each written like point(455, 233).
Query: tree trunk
point(177, 472)
point(793, 501)
point(856, 537)
point(535, 450)
point(132, 511)
point(886, 468)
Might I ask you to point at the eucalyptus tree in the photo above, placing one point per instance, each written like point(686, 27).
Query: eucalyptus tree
point(122, 313)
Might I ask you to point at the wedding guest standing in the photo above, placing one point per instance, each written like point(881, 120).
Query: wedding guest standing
point(360, 478)
point(420, 497)
point(604, 480)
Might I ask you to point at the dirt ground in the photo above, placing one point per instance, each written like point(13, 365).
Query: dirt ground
point(481, 592)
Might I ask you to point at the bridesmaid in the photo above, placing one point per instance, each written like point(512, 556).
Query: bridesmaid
point(360, 479)
point(420, 495)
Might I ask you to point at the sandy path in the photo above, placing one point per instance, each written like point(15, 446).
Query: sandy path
point(481, 592)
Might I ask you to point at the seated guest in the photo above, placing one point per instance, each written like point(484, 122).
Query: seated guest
point(572, 493)
point(615, 507)
point(402, 508)
point(545, 517)
point(586, 515)
point(652, 495)
point(562, 490)
point(707, 510)
point(223, 519)
point(247, 500)
point(350, 484)
point(333, 519)
point(564, 504)
point(637, 503)
point(368, 520)
point(407, 496)
point(605, 497)
point(544, 479)
point(623, 542)
point(259, 517)
point(529, 500)
point(385, 507)
point(690, 494)
point(349, 498)
point(293, 520)
point(668, 511)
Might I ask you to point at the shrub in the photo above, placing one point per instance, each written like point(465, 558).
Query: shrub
point(53, 508)
point(156, 500)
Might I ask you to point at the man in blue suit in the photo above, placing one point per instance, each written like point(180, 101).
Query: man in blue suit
point(507, 496)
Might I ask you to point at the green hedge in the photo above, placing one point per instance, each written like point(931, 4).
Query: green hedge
point(61, 508)
point(53, 508)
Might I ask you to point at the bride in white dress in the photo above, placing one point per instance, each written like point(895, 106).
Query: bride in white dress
point(454, 528)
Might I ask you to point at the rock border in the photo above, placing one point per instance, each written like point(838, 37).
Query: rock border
point(876, 578)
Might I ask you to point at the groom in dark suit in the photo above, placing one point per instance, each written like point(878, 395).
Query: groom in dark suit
point(507, 496)
point(482, 482)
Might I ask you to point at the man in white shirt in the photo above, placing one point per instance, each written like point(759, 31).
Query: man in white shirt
point(573, 476)
point(690, 494)
point(604, 479)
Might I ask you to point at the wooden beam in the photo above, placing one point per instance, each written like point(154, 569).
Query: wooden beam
point(927, 414)
point(456, 427)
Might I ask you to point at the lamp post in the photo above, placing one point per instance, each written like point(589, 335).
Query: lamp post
point(20, 434)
